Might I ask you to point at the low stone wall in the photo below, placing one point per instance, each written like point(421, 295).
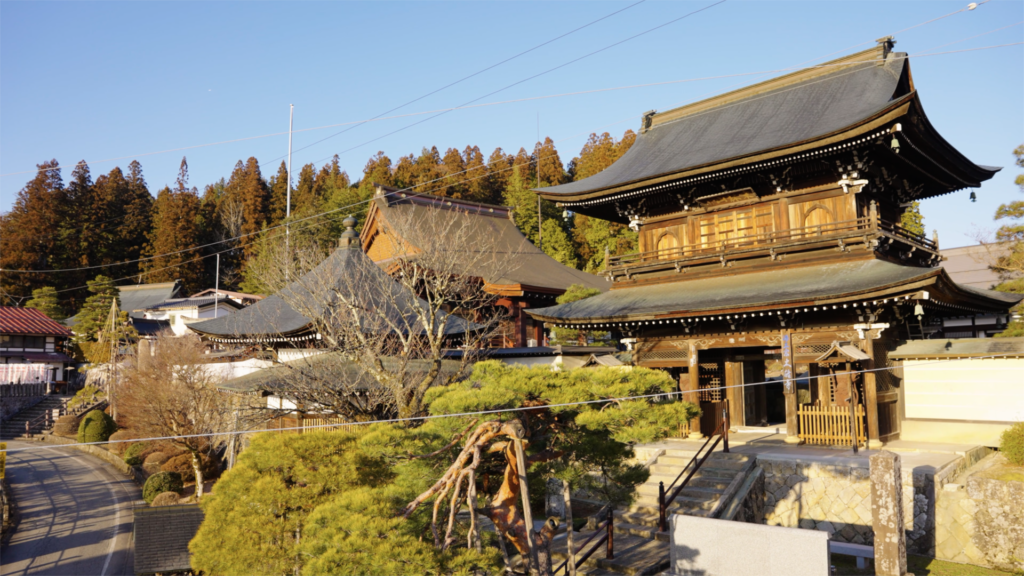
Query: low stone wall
point(982, 521)
point(836, 498)
point(100, 452)
point(12, 405)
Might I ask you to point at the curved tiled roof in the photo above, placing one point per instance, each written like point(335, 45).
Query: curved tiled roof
point(30, 321)
point(710, 132)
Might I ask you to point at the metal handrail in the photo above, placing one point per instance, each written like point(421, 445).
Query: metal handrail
point(722, 433)
point(607, 531)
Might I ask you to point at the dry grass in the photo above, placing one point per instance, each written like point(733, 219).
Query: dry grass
point(917, 565)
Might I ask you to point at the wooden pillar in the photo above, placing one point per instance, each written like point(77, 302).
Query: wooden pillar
point(870, 393)
point(734, 393)
point(520, 330)
point(789, 389)
point(692, 385)
point(538, 332)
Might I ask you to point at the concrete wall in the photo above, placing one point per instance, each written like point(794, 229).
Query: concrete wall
point(981, 521)
point(971, 390)
point(711, 547)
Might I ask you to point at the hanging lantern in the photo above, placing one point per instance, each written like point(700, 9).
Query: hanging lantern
point(974, 197)
point(895, 144)
point(918, 310)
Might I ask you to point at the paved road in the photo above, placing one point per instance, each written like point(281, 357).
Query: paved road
point(76, 514)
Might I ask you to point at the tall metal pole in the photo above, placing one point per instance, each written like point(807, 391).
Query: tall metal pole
point(540, 219)
point(288, 201)
point(216, 287)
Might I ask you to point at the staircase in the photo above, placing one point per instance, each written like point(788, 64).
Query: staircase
point(639, 547)
point(14, 428)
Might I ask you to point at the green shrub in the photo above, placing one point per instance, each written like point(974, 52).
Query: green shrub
point(1011, 444)
point(67, 425)
point(133, 455)
point(97, 426)
point(166, 499)
point(120, 446)
point(182, 464)
point(160, 483)
point(86, 396)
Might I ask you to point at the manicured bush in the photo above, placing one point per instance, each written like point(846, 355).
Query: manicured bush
point(182, 464)
point(67, 425)
point(119, 447)
point(157, 458)
point(96, 427)
point(166, 499)
point(86, 396)
point(133, 455)
point(1011, 444)
point(160, 483)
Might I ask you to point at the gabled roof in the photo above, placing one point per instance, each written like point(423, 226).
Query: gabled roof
point(193, 302)
point(136, 298)
point(525, 268)
point(995, 348)
point(346, 270)
point(781, 288)
point(29, 321)
point(809, 108)
point(210, 292)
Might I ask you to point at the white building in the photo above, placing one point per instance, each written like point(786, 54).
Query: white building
point(32, 347)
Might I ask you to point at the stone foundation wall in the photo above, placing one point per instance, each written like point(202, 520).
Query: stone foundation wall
point(836, 498)
point(981, 522)
point(12, 405)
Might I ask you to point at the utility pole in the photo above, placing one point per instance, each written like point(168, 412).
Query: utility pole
point(540, 219)
point(216, 287)
point(288, 201)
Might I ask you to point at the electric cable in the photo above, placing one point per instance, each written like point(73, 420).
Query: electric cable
point(658, 395)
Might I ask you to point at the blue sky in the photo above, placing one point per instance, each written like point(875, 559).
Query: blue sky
point(98, 80)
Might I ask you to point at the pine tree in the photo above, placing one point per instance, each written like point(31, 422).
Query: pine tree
point(575, 293)
point(1010, 265)
point(499, 170)
point(176, 232)
point(45, 300)
point(477, 183)
point(92, 318)
point(453, 167)
point(306, 197)
point(137, 206)
point(523, 202)
point(549, 166)
point(279, 194)
point(427, 172)
point(912, 220)
point(376, 171)
point(29, 238)
point(527, 170)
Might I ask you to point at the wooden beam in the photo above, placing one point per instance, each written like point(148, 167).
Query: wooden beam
point(692, 384)
point(789, 388)
point(734, 392)
point(870, 393)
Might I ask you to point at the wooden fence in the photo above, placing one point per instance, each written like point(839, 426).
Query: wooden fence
point(22, 390)
point(830, 425)
point(313, 424)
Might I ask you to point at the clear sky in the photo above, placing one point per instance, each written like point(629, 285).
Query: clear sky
point(99, 80)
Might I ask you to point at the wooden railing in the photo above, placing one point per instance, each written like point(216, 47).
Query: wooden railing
point(312, 424)
point(831, 425)
point(606, 530)
point(667, 495)
point(777, 239)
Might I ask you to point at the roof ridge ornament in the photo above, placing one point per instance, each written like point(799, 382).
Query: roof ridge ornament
point(647, 121)
point(349, 237)
point(887, 43)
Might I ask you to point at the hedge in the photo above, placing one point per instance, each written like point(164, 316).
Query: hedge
point(97, 426)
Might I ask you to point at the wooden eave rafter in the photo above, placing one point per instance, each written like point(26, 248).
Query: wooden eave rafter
point(881, 119)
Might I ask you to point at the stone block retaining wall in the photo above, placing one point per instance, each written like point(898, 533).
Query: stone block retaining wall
point(981, 522)
point(836, 498)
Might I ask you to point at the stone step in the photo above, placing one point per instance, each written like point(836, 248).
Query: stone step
point(717, 484)
point(647, 530)
point(648, 558)
point(708, 469)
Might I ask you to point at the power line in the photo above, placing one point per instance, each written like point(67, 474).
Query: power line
point(563, 65)
point(658, 395)
point(471, 179)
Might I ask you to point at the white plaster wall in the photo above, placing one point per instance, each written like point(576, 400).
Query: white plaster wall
point(229, 370)
point(978, 390)
point(289, 354)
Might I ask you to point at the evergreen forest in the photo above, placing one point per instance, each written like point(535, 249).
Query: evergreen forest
point(113, 225)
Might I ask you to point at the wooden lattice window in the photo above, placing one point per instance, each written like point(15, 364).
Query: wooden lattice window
point(712, 378)
point(667, 246)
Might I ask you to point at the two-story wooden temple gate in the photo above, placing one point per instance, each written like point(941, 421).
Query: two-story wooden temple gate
point(770, 247)
point(747, 371)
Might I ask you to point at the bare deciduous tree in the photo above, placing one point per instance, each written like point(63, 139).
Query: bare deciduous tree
point(172, 394)
point(392, 322)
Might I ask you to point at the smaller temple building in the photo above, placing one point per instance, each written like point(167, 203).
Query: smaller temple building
point(519, 274)
point(33, 348)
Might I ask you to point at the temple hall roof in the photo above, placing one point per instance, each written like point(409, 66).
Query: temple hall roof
point(785, 287)
point(347, 270)
point(517, 263)
point(813, 105)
